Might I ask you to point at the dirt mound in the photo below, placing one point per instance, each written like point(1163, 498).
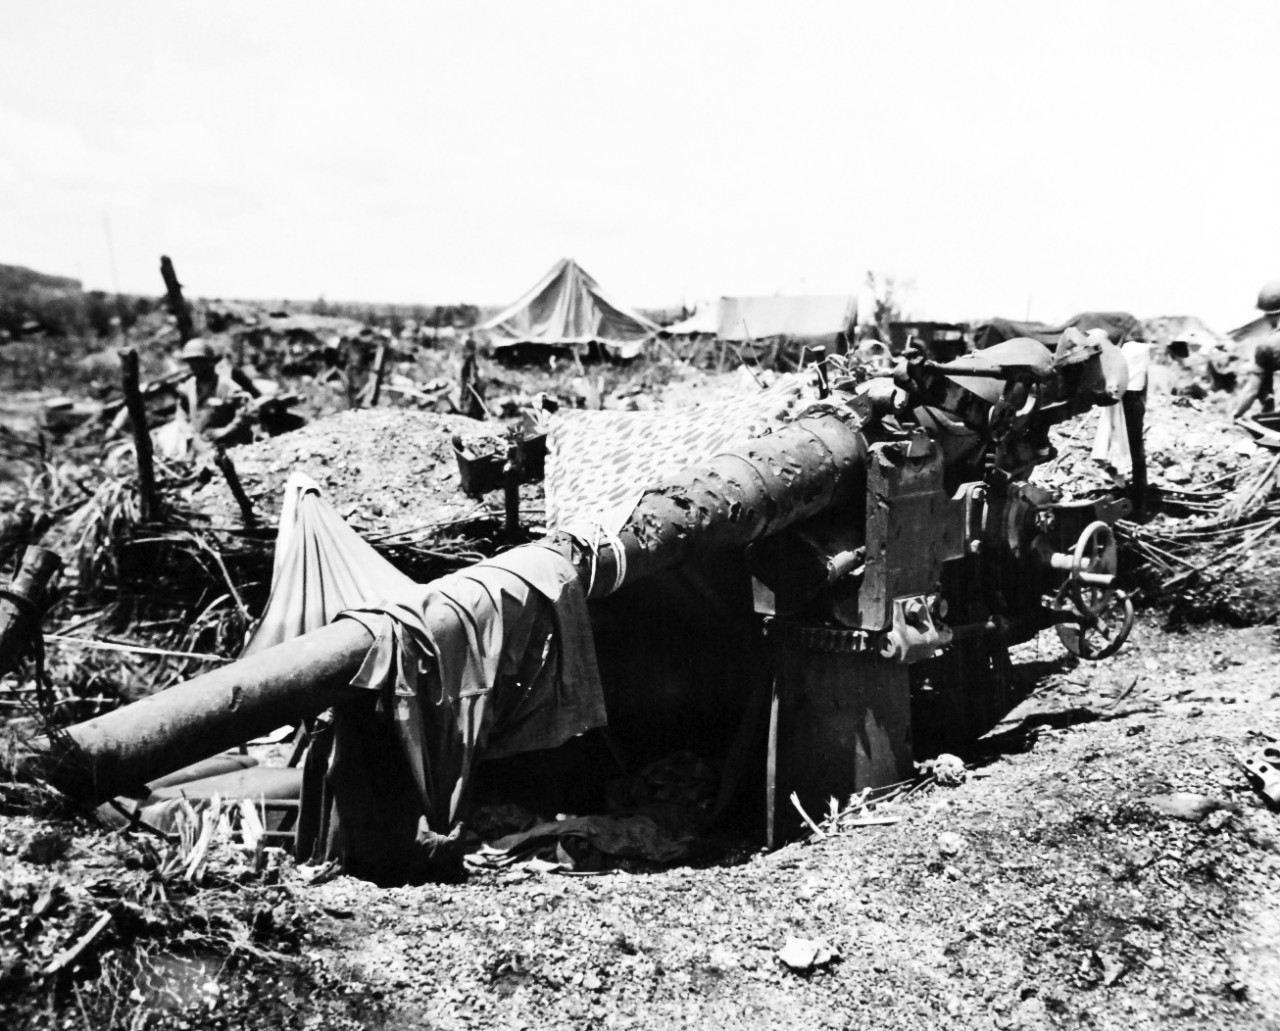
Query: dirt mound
point(1212, 548)
point(1191, 445)
point(390, 470)
point(386, 470)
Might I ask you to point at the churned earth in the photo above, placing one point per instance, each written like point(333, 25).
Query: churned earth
point(1107, 864)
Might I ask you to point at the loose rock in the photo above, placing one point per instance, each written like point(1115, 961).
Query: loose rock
point(1184, 805)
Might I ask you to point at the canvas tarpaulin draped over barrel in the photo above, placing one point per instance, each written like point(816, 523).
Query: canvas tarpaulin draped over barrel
point(494, 659)
point(322, 566)
point(505, 645)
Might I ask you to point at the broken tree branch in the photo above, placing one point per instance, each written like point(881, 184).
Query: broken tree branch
point(68, 956)
point(228, 469)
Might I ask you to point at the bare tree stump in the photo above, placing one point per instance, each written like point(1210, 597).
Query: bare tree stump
point(173, 295)
point(141, 433)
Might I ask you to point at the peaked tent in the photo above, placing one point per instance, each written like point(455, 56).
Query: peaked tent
point(567, 308)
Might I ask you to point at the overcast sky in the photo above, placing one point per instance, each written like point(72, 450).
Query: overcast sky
point(1005, 157)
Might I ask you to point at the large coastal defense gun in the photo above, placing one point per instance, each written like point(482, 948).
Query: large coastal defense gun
point(895, 539)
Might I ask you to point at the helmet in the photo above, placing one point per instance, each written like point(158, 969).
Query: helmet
point(1269, 296)
point(198, 347)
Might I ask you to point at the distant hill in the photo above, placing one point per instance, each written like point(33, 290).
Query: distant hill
point(35, 304)
point(18, 283)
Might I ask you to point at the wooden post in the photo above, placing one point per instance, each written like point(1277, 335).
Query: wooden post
point(228, 469)
point(141, 433)
point(470, 390)
point(512, 474)
point(1134, 405)
point(379, 370)
point(173, 295)
point(816, 355)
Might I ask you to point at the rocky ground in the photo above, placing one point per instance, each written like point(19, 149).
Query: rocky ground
point(1106, 864)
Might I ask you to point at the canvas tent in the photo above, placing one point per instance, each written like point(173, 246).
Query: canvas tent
point(705, 321)
point(795, 318)
point(567, 308)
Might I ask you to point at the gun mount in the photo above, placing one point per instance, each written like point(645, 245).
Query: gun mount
point(952, 556)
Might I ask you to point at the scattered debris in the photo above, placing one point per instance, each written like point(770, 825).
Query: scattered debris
point(947, 770)
point(818, 832)
point(802, 954)
point(1211, 549)
point(74, 952)
point(1112, 968)
point(1184, 805)
point(128, 919)
point(44, 845)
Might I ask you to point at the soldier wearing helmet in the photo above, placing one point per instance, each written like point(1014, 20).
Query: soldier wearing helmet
point(1259, 385)
point(213, 403)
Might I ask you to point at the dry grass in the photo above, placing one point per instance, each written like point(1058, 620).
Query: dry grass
point(132, 931)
